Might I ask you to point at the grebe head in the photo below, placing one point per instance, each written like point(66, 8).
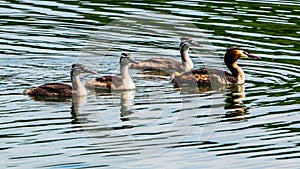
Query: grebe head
point(235, 53)
point(189, 40)
point(186, 42)
point(77, 69)
point(184, 46)
point(126, 58)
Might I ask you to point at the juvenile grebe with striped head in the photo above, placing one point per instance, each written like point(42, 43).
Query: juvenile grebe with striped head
point(206, 76)
point(124, 82)
point(167, 64)
point(60, 89)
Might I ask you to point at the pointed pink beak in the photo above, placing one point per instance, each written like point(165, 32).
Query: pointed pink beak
point(253, 56)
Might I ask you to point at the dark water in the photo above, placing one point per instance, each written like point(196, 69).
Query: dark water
point(251, 126)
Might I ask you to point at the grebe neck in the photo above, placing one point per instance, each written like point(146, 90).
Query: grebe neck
point(77, 87)
point(126, 78)
point(236, 72)
point(187, 63)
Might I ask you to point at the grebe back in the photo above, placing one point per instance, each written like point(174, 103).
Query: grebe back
point(206, 76)
point(60, 89)
point(124, 82)
point(167, 64)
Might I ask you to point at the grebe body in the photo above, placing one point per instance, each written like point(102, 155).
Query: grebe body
point(124, 82)
point(60, 89)
point(206, 76)
point(169, 65)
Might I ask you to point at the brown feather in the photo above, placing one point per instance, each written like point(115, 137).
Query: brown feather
point(204, 76)
point(213, 76)
point(50, 90)
point(104, 83)
point(164, 64)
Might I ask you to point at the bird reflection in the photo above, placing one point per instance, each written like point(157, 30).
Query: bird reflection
point(77, 101)
point(234, 106)
point(126, 102)
point(236, 110)
point(195, 89)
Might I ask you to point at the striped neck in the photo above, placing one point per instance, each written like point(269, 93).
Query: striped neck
point(237, 72)
point(126, 78)
point(187, 63)
point(77, 87)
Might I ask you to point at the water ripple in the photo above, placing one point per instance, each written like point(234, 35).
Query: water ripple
point(256, 127)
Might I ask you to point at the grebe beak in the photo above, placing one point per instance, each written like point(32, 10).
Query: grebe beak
point(132, 60)
point(190, 41)
point(253, 56)
point(194, 43)
point(89, 71)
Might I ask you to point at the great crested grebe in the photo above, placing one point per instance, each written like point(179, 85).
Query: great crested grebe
point(169, 65)
point(113, 82)
point(60, 89)
point(206, 76)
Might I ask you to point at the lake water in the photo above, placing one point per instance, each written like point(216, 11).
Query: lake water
point(255, 125)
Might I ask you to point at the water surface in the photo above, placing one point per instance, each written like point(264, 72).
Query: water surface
point(250, 126)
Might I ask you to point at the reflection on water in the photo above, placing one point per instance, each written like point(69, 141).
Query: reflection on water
point(255, 125)
point(77, 101)
point(126, 100)
point(234, 106)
